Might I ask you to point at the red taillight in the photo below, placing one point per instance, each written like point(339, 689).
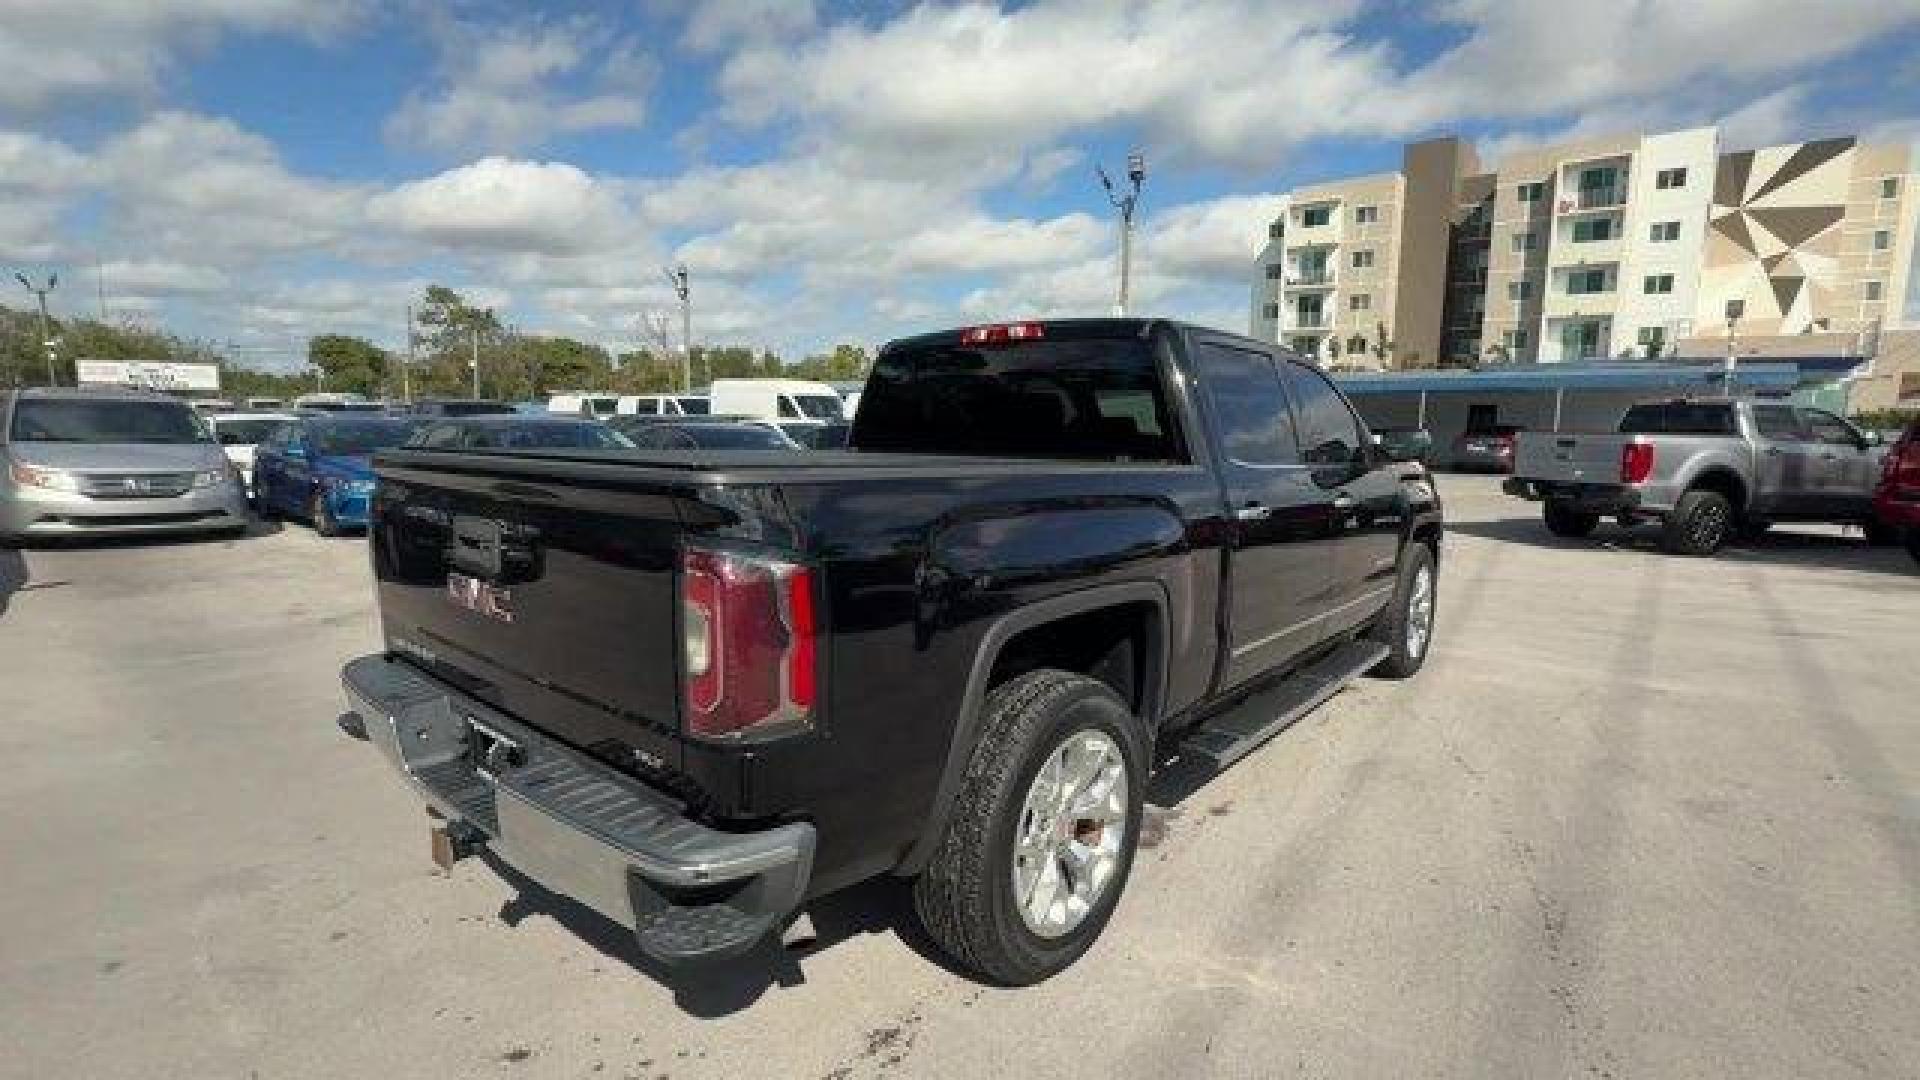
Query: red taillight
point(1002, 333)
point(747, 643)
point(1636, 463)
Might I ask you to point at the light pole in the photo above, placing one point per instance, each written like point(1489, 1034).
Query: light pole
point(677, 277)
point(475, 328)
point(1124, 201)
point(46, 324)
point(1735, 309)
point(406, 381)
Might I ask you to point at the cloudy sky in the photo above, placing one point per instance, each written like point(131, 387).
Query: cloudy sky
point(254, 171)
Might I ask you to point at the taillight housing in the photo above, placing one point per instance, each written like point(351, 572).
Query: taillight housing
point(748, 645)
point(1636, 463)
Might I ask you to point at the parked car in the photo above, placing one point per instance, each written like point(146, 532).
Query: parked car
point(694, 691)
point(663, 405)
point(1405, 443)
point(592, 406)
point(318, 468)
point(1486, 450)
point(702, 433)
point(240, 432)
point(433, 407)
point(336, 403)
point(265, 404)
point(1896, 498)
point(107, 462)
point(515, 431)
point(1704, 468)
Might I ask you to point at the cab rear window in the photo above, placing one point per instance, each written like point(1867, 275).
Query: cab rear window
point(1081, 399)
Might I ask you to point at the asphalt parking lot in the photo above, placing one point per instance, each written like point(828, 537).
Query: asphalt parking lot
point(1640, 816)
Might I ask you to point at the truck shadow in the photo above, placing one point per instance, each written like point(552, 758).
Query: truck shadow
point(723, 988)
point(13, 576)
point(1781, 546)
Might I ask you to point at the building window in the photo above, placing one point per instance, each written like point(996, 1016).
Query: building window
point(1583, 282)
point(1363, 258)
point(1657, 284)
point(1890, 187)
point(1588, 230)
point(1882, 239)
point(1670, 178)
point(1519, 290)
point(1665, 232)
point(1366, 215)
point(1909, 385)
point(1275, 271)
point(1652, 335)
point(1315, 216)
point(1270, 311)
point(1524, 241)
point(1736, 309)
point(1514, 340)
point(1356, 345)
point(1276, 229)
point(1531, 193)
point(1359, 302)
point(1873, 291)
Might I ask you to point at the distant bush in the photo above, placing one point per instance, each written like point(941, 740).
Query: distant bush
point(1886, 419)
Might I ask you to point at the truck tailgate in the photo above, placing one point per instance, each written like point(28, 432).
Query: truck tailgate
point(1568, 457)
point(553, 601)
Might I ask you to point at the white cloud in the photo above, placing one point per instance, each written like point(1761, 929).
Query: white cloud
point(1766, 121)
point(55, 49)
point(715, 24)
point(506, 88)
point(503, 203)
point(39, 180)
point(150, 277)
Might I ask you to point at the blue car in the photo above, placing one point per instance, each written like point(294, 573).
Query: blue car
point(320, 468)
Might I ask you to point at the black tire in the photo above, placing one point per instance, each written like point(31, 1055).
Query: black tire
point(1564, 520)
point(321, 515)
point(965, 898)
point(1879, 533)
point(1405, 656)
point(1699, 525)
point(1913, 544)
point(261, 508)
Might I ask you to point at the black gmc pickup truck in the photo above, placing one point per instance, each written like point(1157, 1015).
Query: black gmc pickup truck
point(695, 689)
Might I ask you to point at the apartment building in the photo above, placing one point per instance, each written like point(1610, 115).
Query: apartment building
point(1642, 245)
point(1344, 268)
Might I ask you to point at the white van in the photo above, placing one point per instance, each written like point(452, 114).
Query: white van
point(591, 406)
point(664, 405)
point(785, 401)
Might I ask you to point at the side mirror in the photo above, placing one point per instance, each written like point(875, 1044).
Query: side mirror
point(1871, 438)
point(1405, 445)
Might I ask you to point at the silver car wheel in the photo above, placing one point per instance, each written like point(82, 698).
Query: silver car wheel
point(1420, 611)
point(1068, 839)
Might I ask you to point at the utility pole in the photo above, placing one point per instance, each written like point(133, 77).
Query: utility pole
point(677, 277)
point(1125, 201)
point(1733, 359)
point(46, 324)
point(100, 281)
point(475, 328)
point(406, 381)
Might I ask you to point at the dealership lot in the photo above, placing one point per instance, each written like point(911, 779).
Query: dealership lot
point(1640, 815)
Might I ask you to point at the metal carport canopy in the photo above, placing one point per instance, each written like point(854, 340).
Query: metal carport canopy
point(1546, 378)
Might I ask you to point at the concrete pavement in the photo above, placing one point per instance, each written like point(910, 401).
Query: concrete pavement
point(1640, 816)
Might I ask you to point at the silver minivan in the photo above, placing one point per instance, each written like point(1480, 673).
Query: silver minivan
point(110, 462)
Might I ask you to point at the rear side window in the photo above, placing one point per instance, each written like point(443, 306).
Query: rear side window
point(646, 407)
point(1678, 418)
point(1072, 398)
point(1778, 422)
point(1249, 409)
point(1329, 432)
point(1830, 429)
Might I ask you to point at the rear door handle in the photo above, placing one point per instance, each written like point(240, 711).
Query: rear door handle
point(1773, 451)
point(1253, 511)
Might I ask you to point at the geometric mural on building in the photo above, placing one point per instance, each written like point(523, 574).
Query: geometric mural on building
point(1773, 235)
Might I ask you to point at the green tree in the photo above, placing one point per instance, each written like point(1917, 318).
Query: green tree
point(349, 364)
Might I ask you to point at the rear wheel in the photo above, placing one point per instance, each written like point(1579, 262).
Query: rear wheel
point(1406, 627)
point(1043, 833)
point(1913, 544)
point(1879, 533)
point(262, 508)
point(1699, 525)
point(1564, 520)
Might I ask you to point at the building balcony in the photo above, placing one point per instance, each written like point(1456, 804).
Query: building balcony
point(1567, 252)
point(1560, 304)
point(1310, 280)
point(1588, 199)
point(1310, 322)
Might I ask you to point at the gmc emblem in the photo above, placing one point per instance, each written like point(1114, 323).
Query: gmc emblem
point(480, 597)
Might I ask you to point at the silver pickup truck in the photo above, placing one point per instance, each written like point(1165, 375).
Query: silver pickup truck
point(1705, 469)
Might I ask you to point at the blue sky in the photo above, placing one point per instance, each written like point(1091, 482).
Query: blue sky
point(255, 171)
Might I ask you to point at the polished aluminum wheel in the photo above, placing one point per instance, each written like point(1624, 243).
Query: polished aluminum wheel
point(1067, 842)
point(1420, 611)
